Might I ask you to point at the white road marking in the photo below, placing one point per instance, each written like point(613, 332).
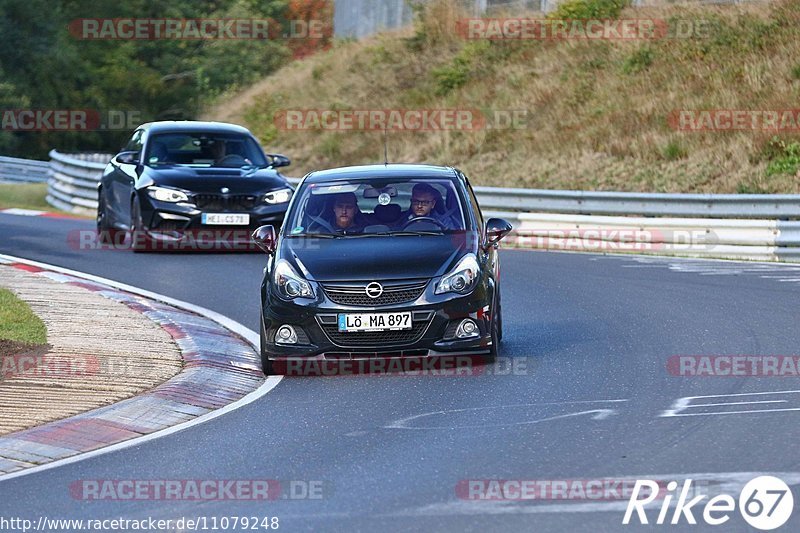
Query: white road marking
point(598, 414)
point(687, 402)
point(22, 212)
point(251, 336)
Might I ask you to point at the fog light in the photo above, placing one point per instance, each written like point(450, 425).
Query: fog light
point(285, 335)
point(466, 329)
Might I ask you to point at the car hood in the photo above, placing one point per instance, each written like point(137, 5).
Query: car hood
point(211, 180)
point(375, 258)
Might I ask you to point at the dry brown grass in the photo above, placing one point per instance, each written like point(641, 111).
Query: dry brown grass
point(597, 111)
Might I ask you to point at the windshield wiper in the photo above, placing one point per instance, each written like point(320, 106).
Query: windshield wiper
point(424, 232)
point(320, 235)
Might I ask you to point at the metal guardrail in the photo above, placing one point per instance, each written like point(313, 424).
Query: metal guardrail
point(73, 181)
point(644, 204)
point(733, 226)
point(23, 170)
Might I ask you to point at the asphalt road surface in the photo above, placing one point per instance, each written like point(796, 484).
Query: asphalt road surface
point(584, 394)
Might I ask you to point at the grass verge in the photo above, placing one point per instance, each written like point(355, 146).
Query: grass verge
point(18, 322)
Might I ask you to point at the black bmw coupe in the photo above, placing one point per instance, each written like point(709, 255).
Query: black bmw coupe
point(188, 185)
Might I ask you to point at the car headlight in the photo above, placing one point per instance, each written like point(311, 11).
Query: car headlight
point(289, 284)
point(462, 278)
point(163, 194)
point(280, 196)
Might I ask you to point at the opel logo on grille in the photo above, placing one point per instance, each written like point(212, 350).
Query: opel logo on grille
point(374, 289)
point(224, 190)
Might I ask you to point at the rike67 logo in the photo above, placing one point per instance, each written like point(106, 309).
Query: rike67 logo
point(765, 503)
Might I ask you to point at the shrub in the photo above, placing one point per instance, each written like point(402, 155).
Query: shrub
point(589, 9)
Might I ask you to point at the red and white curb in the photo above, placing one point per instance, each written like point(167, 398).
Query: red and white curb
point(34, 213)
point(222, 373)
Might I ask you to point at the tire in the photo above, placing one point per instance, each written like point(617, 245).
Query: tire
point(496, 331)
point(105, 234)
point(266, 364)
point(137, 244)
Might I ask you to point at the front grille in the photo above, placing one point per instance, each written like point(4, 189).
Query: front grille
point(354, 294)
point(220, 202)
point(375, 338)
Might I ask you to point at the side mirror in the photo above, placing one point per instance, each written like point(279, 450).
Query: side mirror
point(496, 229)
point(264, 237)
point(128, 158)
point(279, 160)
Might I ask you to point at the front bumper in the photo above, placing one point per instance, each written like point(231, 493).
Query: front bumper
point(181, 224)
point(434, 320)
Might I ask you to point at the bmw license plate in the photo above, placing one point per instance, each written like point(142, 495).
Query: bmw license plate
point(226, 219)
point(352, 322)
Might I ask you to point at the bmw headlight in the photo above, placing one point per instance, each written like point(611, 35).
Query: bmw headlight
point(290, 284)
point(163, 194)
point(462, 278)
point(281, 196)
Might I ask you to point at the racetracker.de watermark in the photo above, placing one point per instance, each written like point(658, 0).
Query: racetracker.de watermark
point(195, 29)
point(210, 240)
point(198, 489)
point(734, 365)
point(719, 120)
point(41, 120)
point(379, 365)
point(597, 489)
point(48, 366)
point(611, 239)
point(546, 29)
point(414, 120)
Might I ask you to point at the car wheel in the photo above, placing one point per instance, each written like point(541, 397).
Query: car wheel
point(499, 316)
point(266, 364)
point(106, 234)
point(138, 237)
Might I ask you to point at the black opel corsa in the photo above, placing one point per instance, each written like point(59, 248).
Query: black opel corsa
point(381, 261)
point(179, 184)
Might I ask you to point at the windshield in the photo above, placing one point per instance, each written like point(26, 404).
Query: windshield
point(377, 207)
point(204, 150)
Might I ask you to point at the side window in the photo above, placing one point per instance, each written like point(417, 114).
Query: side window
point(136, 142)
point(474, 203)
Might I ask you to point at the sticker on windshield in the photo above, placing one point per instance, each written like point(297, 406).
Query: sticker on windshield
point(298, 229)
point(384, 199)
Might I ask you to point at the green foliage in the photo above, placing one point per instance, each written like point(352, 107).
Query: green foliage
point(589, 9)
point(639, 60)
point(44, 66)
point(458, 72)
point(787, 160)
point(673, 151)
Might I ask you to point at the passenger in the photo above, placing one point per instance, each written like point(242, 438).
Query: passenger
point(345, 213)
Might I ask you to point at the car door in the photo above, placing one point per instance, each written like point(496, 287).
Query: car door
point(122, 179)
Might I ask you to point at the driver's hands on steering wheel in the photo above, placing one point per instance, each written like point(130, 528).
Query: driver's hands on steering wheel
point(425, 219)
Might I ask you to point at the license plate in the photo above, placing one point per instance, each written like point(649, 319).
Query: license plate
point(226, 219)
point(352, 322)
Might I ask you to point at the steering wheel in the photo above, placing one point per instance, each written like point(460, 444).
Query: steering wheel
point(233, 160)
point(427, 219)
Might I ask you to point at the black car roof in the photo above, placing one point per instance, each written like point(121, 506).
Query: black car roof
point(382, 171)
point(194, 126)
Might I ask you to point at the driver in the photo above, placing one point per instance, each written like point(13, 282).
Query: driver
point(423, 200)
point(218, 150)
